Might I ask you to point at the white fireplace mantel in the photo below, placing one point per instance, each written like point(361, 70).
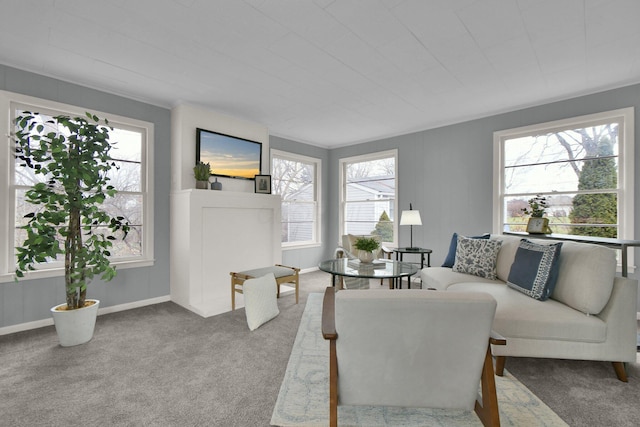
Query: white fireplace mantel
point(214, 233)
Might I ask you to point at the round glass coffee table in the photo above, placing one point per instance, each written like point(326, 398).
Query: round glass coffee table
point(379, 269)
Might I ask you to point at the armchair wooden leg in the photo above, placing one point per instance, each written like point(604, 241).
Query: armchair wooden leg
point(487, 410)
point(621, 372)
point(500, 361)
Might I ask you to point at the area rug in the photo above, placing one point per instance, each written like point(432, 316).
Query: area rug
point(304, 394)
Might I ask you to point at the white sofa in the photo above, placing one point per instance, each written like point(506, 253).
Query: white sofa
point(591, 314)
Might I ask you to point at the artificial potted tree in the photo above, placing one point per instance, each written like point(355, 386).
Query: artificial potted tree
point(202, 172)
point(71, 155)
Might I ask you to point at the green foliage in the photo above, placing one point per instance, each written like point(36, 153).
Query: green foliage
point(384, 228)
point(75, 162)
point(202, 171)
point(537, 206)
point(598, 208)
point(369, 244)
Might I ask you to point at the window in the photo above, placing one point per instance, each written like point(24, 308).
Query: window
point(583, 166)
point(132, 179)
point(368, 195)
point(297, 180)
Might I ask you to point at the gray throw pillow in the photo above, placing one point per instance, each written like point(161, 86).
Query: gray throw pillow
point(477, 257)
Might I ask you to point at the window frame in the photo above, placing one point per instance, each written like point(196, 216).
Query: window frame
point(625, 191)
point(317, 192)
point(8, 102)
point(343, 162)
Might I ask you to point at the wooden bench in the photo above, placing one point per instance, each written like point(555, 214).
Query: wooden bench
point(282, 273)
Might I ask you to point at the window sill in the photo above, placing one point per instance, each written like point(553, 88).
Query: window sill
point(301, 246)
point(59, 272)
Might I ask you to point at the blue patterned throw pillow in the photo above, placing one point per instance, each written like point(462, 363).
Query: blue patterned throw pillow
point(477, 257)
point(535, 269)
point(453, 246)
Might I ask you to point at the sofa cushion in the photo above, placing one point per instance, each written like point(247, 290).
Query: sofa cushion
point(518, 316)
point(441, 278)
point(585, 278)
point(477, 257)
point(451, 255)
point(535, 269)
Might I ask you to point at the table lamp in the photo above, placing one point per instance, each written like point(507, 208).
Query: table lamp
point(411, 218)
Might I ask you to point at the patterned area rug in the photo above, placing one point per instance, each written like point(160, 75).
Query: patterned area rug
point(304, 394)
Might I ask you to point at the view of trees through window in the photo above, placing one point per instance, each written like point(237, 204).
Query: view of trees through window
point(127, 179)
point(575, 169)
point(294, 179)
point(369, 197)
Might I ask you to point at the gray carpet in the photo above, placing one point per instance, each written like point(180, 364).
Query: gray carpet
point(165, 366)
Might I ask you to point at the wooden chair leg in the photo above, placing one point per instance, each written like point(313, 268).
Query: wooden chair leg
point(500, 361)
point(233, 293)
point(487, 410)
point(621, 372)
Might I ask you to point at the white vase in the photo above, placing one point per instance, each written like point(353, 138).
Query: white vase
point(75, 327)
point(365, 256)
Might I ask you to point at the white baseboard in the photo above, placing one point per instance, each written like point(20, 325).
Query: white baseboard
point(106, 310)
point(309, 270)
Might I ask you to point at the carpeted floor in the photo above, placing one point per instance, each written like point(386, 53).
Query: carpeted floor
point(165, 366)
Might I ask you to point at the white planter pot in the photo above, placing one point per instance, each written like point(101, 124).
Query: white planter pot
point(75, 327)
point(365, 256)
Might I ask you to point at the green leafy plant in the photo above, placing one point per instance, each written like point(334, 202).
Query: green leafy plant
point(71, 154)
point(537, 206)
point(202, 171)
point(369, 244)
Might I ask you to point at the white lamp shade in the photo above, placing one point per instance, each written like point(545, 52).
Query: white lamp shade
point(410, 218)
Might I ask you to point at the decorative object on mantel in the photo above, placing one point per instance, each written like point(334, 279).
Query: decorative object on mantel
point(537, 208)
point(263, 184)
point(72, 157)
point(202, 172)
point(366, 246)
point(411, 218)
point(216, 185)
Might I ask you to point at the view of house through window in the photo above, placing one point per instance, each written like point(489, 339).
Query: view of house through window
point(577, 166)
point(296, 179)
point(368, 195)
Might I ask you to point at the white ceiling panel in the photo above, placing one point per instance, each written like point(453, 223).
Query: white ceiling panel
point(331, 72)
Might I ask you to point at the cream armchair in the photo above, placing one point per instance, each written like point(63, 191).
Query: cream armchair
point(411, 348)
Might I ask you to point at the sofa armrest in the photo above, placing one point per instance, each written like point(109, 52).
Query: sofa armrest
point(620, 315)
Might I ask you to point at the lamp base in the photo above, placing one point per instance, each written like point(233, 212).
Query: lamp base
point(412, 249)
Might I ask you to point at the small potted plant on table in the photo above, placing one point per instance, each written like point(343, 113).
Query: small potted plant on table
point(366, 247)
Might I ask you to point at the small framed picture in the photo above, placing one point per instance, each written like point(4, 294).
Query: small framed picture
point(263, 184)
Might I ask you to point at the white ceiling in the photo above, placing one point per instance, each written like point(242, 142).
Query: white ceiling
point(331, 72)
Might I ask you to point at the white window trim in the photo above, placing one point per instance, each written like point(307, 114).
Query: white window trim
point(343, 187)
point(317, 190)
point(626, 164)
point(7, 267)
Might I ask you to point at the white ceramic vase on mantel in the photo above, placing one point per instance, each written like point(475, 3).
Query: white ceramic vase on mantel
point(75, 327)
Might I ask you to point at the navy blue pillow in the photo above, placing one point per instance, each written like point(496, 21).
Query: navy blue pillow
point(535, 269)
point(453, 246)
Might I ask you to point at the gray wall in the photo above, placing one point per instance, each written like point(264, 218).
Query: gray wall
point(30, 300)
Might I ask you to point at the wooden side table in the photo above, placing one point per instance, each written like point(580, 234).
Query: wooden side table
point(422, 251)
